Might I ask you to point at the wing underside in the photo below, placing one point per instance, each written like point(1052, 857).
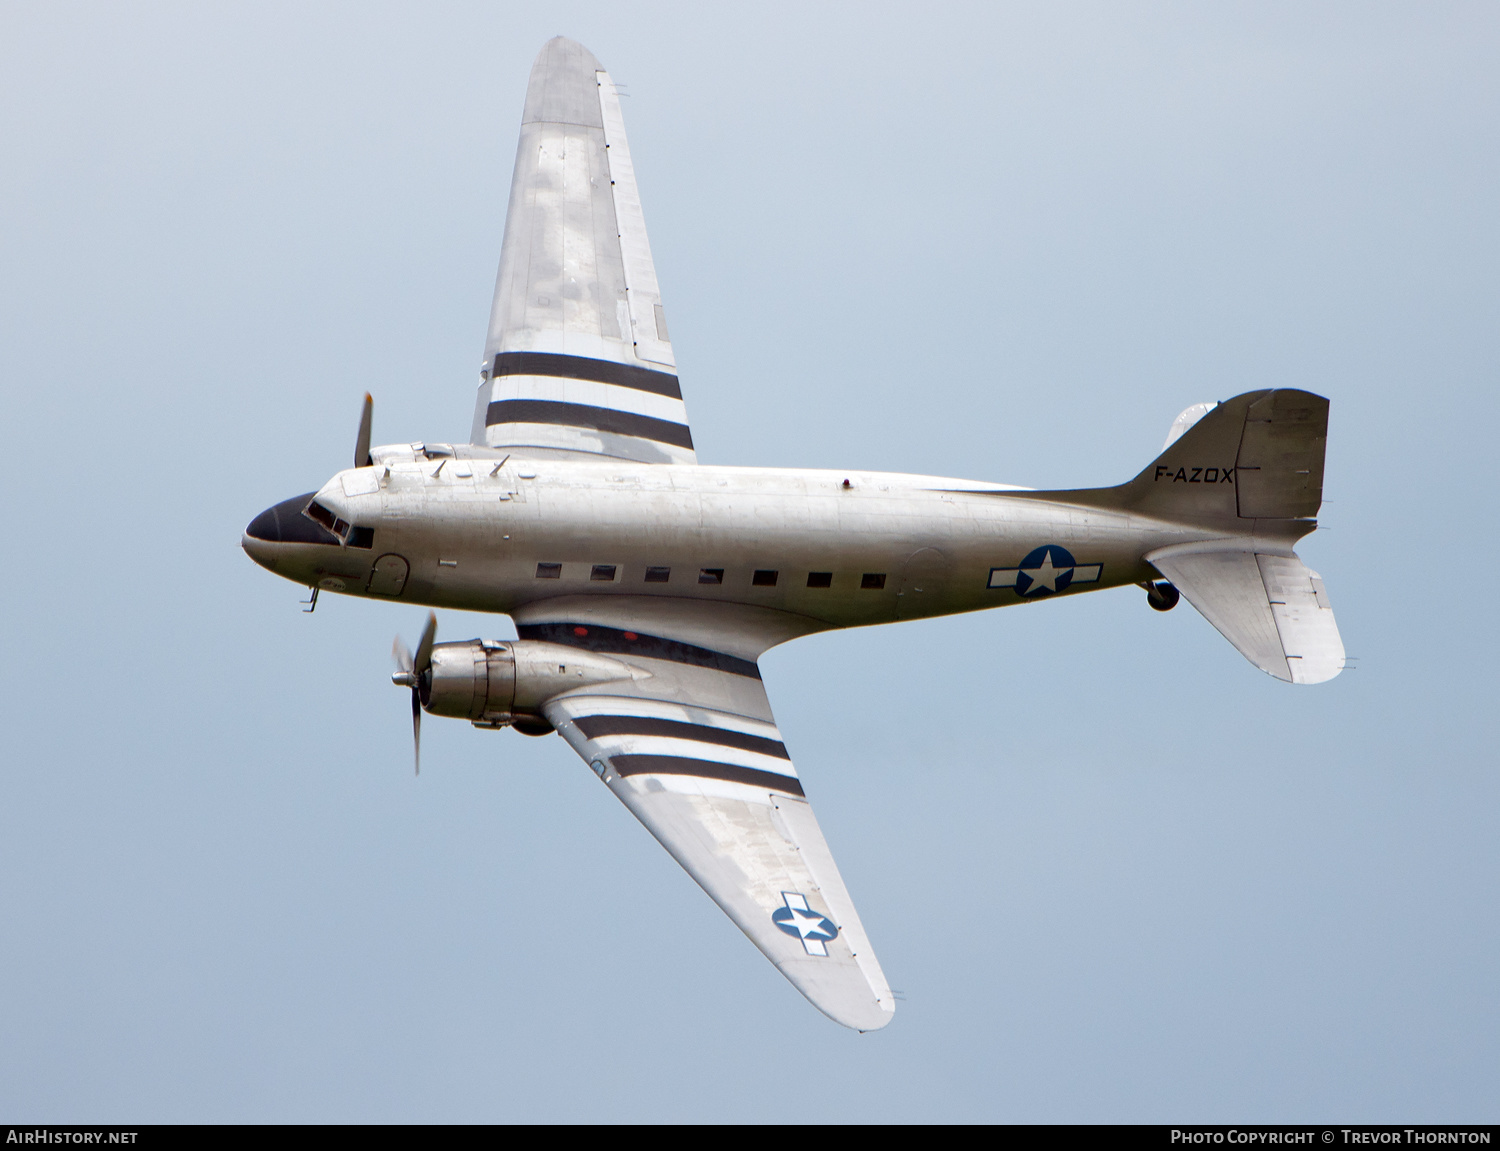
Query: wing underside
point(578, 359)
point(693, 751)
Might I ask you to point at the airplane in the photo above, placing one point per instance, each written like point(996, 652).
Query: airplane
point(644, 585)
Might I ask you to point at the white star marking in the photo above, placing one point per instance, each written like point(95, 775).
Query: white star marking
point(1045, 576)
point(808, 924)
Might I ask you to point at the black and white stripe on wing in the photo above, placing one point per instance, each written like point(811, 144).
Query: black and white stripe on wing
point(595, 726)
point(655, 737)
point(617, 641)
point(550, 365)
point(639, 745)
point(577, 403)
point(627, 765)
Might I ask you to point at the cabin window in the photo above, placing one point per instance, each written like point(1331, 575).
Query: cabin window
point(764, 578)
point(819, 579)
point(658, 575)
point(710, 575)
point(362, 538)
point(549, 571)
point(604, 572)
point(872, 580)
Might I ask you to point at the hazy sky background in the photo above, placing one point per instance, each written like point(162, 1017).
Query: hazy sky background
point(1117, 873)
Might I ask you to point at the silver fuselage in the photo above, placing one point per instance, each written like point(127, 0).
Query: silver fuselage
point(485, 535)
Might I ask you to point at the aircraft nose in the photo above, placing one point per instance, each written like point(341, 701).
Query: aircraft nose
point(265, 526)
point(282, 523)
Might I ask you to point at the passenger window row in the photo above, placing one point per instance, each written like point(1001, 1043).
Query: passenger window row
point(607, 573)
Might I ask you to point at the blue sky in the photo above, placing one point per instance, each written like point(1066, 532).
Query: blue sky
point(1117, 873)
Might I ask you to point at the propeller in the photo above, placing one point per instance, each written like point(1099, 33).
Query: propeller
point(362, 440)
point(412, 669)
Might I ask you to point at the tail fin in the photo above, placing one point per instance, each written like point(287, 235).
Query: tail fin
point(1250, 473)
point(1257, 456)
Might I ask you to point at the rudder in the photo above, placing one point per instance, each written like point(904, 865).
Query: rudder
point(1279, 468)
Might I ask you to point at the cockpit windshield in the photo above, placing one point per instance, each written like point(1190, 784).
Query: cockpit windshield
point(354, 537)
point(320, 515)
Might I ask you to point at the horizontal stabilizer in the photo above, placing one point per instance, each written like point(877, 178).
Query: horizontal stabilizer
point(1270, 606)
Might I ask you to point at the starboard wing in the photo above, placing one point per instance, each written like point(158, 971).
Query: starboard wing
point(694, 752)
point(578, 360)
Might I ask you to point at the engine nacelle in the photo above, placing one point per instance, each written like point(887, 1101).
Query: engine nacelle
point(494, 683)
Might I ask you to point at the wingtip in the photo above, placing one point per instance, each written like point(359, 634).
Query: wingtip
point(563, 46)
point(843, 1007)
point(563, 88)
point(869, 1021)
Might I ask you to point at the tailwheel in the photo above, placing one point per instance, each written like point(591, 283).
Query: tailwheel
point(1161, 595)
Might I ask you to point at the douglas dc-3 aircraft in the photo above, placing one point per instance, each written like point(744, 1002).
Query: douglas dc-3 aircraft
point(644, 585)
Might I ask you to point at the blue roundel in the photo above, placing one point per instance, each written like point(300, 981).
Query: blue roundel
point(803, 923)
point(1045, 571)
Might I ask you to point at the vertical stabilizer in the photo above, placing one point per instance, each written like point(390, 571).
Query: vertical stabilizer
point(578, 358)
point(1258, 456)
point(1253, 463)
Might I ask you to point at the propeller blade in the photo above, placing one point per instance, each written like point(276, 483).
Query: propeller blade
point(424, 645)
point(416, 730)
point(411, 671)
point(362, 440)
point(402, 655)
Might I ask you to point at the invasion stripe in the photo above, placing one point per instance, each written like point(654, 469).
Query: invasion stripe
point(588, 416)
point(613, 641)
point(704, 769)
point(584, 368)
point(595, 726)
